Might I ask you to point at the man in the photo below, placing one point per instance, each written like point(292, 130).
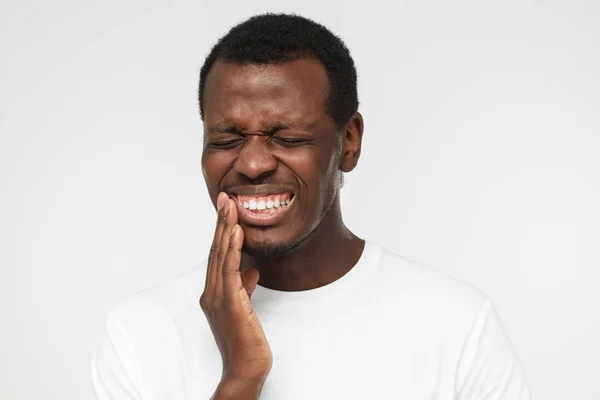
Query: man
point(293, 305)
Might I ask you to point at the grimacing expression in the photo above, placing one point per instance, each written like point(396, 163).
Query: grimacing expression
point(267, 136)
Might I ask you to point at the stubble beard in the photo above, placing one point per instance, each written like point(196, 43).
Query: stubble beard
point(268, 249)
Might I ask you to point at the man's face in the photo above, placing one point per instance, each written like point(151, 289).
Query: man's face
point(268, 141)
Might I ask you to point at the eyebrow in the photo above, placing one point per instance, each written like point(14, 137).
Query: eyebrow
point(230, 128)
point(222, 128)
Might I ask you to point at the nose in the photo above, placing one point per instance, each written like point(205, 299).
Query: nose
point(255, 159)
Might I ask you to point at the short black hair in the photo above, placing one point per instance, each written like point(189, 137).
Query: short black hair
point(275, 38)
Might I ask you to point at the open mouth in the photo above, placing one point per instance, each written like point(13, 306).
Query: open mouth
point(263, 209)
point(271, 203)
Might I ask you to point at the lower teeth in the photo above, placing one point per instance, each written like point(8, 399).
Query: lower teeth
point(271, 210)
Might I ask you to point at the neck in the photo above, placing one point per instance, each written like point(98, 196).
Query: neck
point(327, 254)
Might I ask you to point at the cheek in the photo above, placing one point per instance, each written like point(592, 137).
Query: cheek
point(214, 167)
point(329, 180)
point(316, 169)
point(307, 163)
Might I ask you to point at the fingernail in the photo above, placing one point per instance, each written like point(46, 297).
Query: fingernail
point(227, 207)
point(220, 201)
point(234, 230)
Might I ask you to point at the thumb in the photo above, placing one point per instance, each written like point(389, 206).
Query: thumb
point(250, 278)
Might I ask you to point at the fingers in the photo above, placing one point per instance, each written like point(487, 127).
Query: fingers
point(228, 224)
point(229, 221)
point(250, 278)
point(225, 253)
point(232, 279)
point(211, 272)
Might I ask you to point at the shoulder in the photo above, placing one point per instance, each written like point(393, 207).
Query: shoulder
point(158, 306)
point(429, 290)
point(458, 318)
point(145, 336)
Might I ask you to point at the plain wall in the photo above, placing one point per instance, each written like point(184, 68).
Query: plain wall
point(480, 159)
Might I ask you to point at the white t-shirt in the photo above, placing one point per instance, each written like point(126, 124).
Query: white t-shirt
point(388, 329)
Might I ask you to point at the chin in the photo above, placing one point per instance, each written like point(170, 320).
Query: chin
point(263, 246)
point(267, 248)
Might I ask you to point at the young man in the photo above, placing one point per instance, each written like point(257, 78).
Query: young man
point(292, 304)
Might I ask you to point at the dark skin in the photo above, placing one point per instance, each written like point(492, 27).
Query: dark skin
point(266, 128)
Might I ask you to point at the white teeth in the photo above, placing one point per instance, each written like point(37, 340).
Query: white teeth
point(271, 205)
point(252, 204)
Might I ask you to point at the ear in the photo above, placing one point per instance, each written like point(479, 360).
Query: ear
point(351, 142)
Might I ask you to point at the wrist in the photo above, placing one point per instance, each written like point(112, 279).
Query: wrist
point(238, 389)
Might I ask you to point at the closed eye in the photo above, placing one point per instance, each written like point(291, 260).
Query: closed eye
point(226, 144)
point(289, 141)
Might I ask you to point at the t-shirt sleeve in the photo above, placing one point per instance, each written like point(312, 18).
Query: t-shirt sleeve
point(114, 371)
point(488, 368)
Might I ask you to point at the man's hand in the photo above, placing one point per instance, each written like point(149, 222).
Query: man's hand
point(246, 354)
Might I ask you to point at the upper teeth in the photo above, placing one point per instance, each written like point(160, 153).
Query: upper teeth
point(254, 204)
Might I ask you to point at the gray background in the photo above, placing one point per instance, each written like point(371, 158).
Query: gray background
point(480, 159)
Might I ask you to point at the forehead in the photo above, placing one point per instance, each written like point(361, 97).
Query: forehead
point(291, 90)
